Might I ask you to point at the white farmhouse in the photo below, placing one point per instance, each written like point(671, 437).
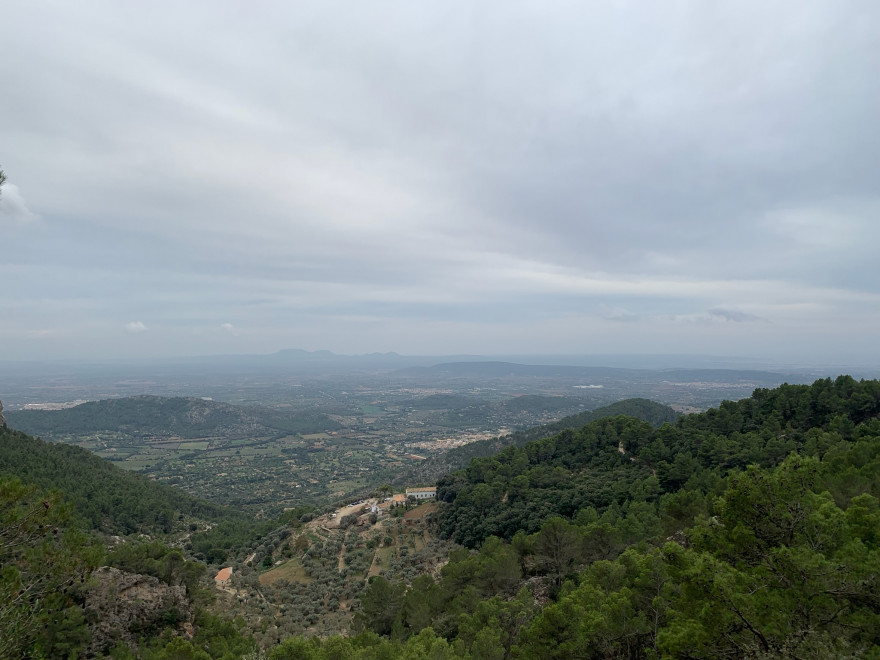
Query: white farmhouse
point(422, 493)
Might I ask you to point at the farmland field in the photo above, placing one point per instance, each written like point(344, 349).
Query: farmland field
point(292, 571)
point(312, 443)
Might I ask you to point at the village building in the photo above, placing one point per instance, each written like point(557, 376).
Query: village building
point(422, 493)
point(223, 575)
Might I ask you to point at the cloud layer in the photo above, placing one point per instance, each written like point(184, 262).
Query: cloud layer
point(13, 208)
point(442, 177)
point(135, 327)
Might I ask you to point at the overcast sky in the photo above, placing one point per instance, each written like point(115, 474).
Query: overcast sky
point(440, 177)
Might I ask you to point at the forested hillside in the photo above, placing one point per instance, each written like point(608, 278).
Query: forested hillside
point(458, 457)
point(110, 500)
point(154, 416)
point(747, 531)
point(63, 595)
point(58, 504)
point(609, 461)
point(643, 409)
point(104, 497)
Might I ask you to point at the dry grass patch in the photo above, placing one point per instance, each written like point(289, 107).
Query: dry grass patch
point(292, 571)
point(420, 511)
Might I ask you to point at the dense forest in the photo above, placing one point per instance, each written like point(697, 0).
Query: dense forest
point(751, 530)
point(651, 412)
point(746, 531)
point(654, 413)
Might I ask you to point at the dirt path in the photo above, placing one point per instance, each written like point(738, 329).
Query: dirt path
point(342, 558)
point(375, 568)
point(328, 522)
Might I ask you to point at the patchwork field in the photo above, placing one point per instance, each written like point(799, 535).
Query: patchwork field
point(323, 448)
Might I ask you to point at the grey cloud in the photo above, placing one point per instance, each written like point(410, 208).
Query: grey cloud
point(617, 314)
point(266, 168)
point(135, 327)
point(734, 315)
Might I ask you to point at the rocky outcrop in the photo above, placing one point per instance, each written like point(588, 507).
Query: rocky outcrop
point(126, 606)
point(2, 418)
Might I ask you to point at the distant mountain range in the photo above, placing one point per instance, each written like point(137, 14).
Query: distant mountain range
point(222, 375)
point(392, 360)
point(496, 369)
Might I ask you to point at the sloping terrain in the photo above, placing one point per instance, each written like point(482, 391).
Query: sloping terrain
point(651, 412)
point(104, 497)
point(154, 416)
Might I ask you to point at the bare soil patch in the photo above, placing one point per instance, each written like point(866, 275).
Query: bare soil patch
point(420, 511)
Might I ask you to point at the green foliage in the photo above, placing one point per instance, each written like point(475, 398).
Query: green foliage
point(424, 646)
point(348, 520)
point(293, 517)
point(522, 487)
point(381, 603)
point(773, 502)
point(42, 561)
point(221, 638)
point(781, 571)
point(494, 627)
point(215, 545)
point(157, 559)
point(613, 460)
point(558, 545)
point(104, 497)
point(616, 611)
point(180, 649)
point(115, 501)
point(654, 413)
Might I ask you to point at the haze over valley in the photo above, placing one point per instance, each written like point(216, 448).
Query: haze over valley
point(295, 428)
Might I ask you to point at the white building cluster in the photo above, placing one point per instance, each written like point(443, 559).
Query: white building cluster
point(422, 493)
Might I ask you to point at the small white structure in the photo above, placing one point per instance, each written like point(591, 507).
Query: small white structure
point(422, 493)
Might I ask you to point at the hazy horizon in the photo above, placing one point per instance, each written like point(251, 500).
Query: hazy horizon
point(441, 178)
point(387, 359)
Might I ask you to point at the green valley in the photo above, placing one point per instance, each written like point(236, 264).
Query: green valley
point(748, 530)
